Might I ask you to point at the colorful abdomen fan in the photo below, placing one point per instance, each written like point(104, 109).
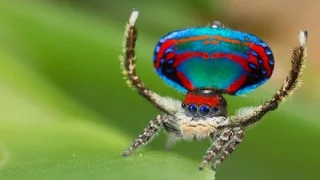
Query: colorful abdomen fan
point(220, 59)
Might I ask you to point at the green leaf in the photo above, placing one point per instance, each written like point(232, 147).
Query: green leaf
point(157, 166)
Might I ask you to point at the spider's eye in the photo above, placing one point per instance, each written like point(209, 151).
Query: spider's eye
point(204, 110)
point(215, 109)
point(193, 109)
point(183, 105)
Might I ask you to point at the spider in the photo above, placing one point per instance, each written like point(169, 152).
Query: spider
point(204, 63)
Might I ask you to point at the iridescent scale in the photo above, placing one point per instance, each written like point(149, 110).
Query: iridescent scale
point(221, 59)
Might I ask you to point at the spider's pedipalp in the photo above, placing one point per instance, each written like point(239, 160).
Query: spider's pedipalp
point(147, 135)
point(236, 139)
point(129, 69)
point(219, 141)
point(292, 82)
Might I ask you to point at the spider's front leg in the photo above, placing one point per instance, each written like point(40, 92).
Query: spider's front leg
point(248, 116)
point(128, 64)
point(149, 132)
point(224, 143)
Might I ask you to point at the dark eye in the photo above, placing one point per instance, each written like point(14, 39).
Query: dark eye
point(204, 110)
point(215, 109)
point(193, 109)
point(183, 105)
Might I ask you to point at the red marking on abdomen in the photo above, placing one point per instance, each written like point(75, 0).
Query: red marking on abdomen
point(198, 99)
point(233, 57)
point(167, 44)
point(238, 59)
point(185, 81)
point(253, 59)
point(206, 37)
point(182, 57)
point(237, 84)
point(170, 55)
point(228, 40)
point(261, 51)
point(194, 38)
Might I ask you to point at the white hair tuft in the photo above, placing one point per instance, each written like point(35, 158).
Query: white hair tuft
point(303, 38)
point(133, 17)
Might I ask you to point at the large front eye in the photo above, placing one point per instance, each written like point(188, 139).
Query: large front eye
point(204, 110)
point(193, 109)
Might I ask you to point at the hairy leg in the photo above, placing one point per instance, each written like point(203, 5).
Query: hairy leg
point(236, 139)
point(248, 116)
point(128, 65)
point(219, 140)
point(147, 135)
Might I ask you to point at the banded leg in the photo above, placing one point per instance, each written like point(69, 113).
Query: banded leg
point(128, 65)
point(236, 139)
point(218, 142)
point(249, 116)
point(148, 133)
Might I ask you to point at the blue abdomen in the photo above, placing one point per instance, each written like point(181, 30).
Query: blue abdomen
point(222, 59)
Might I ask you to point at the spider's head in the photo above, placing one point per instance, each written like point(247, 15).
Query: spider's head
point(201, 103)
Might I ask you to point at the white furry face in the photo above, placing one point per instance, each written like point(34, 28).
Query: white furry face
point(199, 129)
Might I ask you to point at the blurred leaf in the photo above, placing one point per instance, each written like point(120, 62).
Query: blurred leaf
point(157, 166)
point(32, 130)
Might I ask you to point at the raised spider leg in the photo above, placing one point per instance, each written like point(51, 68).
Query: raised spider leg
point(129, 69)
point(236, 139)
point(219, 140)
point(147, 135)
point(248, 116)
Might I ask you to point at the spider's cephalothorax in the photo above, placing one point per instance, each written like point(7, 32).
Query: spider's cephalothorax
point(202, 111)
point(204, 63)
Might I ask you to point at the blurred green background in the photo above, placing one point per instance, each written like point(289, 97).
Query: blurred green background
point(66, 112)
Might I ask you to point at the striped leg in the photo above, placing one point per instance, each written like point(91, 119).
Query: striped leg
point(236, 139)
point(147, 135)
point(218, 143)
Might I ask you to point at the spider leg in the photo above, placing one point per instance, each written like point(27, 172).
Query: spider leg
point(128, 65)
point(236, 139)
point(248, 116)
point(149, 132)
point(219, 140)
